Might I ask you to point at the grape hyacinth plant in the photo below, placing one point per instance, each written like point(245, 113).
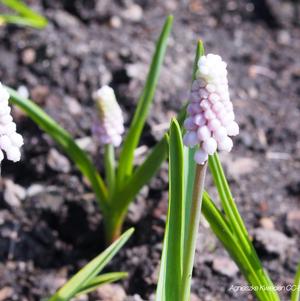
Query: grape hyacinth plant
point(187, 196)
point(203, 127)
point(123, 180)
point(209, 122)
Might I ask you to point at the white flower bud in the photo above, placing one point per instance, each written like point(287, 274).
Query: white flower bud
point(108, 127)
point(10, 140)
point(210, 112)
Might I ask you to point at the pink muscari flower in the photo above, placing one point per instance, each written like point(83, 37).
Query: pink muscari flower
point(10, 140)
point(210, 121)
point(108, 127)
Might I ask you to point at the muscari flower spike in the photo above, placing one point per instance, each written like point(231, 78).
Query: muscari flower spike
point(10, 140)
point(108, 128)
point(210, 118)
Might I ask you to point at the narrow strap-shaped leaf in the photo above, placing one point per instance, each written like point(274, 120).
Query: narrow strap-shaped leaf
point(18, 20)
point(237, 224)
point(66, 142)
point(27, 16)
point(90, 271)
point(171, 266)
point(220, 227)
point(296, 288)
point(225, 195)
point(142, 174)
point(142, 110)
point(100, 280)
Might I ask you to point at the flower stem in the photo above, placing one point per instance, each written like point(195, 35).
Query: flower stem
point(113, 224)
point(193, 225)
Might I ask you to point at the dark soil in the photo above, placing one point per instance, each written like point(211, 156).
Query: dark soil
point(50, 224)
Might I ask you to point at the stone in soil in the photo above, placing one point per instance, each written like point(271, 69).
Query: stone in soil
point(58, 162)
point(272, 242)
point(224, 266)
point(13, 193)
point(293, 222)
point(111, 292)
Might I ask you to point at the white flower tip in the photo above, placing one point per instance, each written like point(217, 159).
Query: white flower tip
point(233, 129)
point(103, 92)
point(200, 156)
point(5, 143)
point(13, 154)
point(190, 139)
point(1, 155)
point(210, 145)
point(10, 140)
point(17, 139)
point(203, 133)
point(226, 144)
point(109, 126)
point(4, 95)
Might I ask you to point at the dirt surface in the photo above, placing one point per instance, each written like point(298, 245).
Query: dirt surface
point(50, 224)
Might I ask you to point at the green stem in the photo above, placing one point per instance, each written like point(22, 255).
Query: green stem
point(110, 166)
point(296, 289)
point(194, 220)
point(113, 224)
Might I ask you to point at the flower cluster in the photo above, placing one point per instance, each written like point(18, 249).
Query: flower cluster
point(10, 140)
point(108, 128)
point(210, 119)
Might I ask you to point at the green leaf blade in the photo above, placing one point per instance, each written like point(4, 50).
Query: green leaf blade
point(143, 173)
point(27, 17)
point(94, 283)
point(171, 266)
point(145, 101)
point(296, 291)
point(90, 271)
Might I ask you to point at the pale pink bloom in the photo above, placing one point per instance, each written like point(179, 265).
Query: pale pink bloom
point(108, 127)
point(210, 119)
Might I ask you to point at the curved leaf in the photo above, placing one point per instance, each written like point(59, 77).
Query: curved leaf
point(169, 284)
point(142, 110)
point(82, 279)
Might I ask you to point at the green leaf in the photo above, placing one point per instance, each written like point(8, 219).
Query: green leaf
point(66, 142)
point(190, 166)
point(171, 266)
point(236, 223)
point(296, 289)
point(222, 230)
point(94, 283)
point(81, 280)
point(142, 174)
point(27, 16)
point(142, 110)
